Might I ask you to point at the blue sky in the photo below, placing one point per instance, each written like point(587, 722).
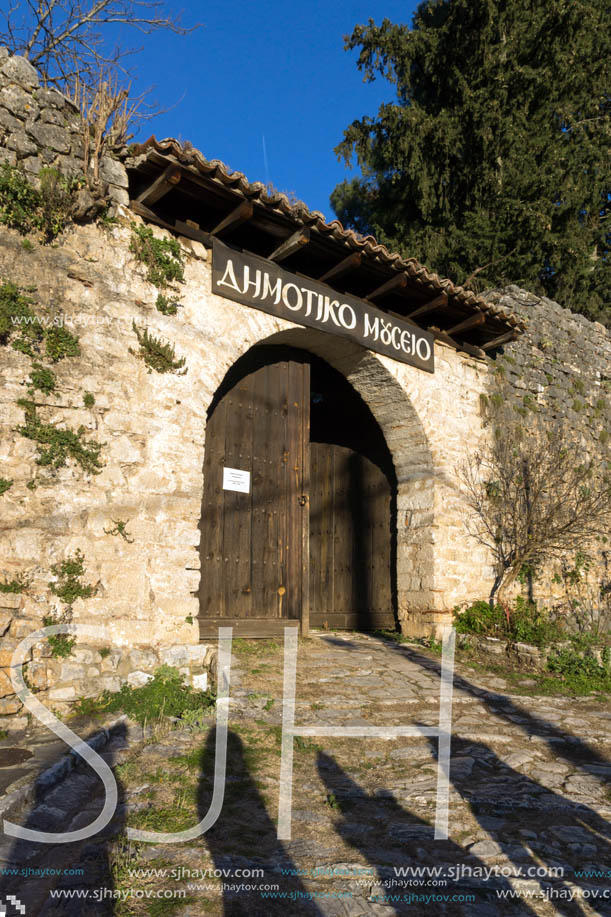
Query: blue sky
point(266, 69)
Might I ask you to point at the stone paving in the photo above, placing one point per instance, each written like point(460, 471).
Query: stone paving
point(529, 792)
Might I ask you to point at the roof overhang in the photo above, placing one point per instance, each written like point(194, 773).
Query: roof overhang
point(175, 187)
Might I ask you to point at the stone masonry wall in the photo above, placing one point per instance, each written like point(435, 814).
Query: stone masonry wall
point(561, 365)
point(42, 128)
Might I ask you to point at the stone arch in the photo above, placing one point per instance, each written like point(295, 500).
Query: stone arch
point(407, 442)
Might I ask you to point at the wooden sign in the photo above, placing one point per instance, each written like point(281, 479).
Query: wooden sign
point(260, 283)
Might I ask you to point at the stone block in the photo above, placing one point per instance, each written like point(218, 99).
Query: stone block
point(137, 679)
point(50, 137)
point(71, 671)
point(19, 70)
point(50, 98)
point(143, 659)
point(113, 172)
point(110, 683)
point(7, 648)
point(10, 600)
point(200, 682)
point(174, 655)
point(118, 195)
point(21, 143)
point(18, 102)
point(10, 705)
point(6, 686)
point(68, 692)
point(111, 662)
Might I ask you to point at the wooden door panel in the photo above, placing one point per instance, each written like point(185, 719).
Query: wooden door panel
point(252, 544)
point(350, 541)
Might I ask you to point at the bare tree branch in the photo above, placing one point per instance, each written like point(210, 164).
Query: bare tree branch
point(537, 490)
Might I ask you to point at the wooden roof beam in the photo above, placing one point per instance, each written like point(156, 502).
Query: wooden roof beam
point(398, 282)
point(168, 179)
point(338, 270)
point(501, 339)
point(473, 321)
point(439, 302)
point(440, 335)
point(291, 245)
point(238, 215)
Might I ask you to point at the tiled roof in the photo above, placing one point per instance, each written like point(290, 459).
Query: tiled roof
point(301, 215)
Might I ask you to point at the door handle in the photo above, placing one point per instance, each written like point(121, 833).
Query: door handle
point(303, 500)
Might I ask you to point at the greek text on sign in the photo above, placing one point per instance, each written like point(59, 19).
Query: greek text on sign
point(233, 479)
point(253, 281)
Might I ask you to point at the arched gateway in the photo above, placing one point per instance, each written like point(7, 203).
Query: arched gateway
point(330, 493)
point(299, 506)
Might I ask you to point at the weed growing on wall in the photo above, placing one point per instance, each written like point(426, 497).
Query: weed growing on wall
point(61, 343)
point(157, 354)
point(17, 585)
point(55, 445)
point(61, 644)
point(166, 306)
point(162, 257)
point(46, 209)
point(164, 695)
point(120, 528)
point(5, 484)
point(17, 320)
point(68, 586)
point(88, 400)
point(41, 379)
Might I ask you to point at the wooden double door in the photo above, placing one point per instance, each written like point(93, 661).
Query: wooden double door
point(292, 532)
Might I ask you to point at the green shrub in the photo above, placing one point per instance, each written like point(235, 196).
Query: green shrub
point(162, 257)
point(56, 197)
point(157, 354)
point(55, 445)
point(17, 321)
point(479, 618)
point(41, 379)
point(25, 208)
point(68, 587)
point(88, 400)
point(5, 484)
point(19, 200)
point(524, 622)
point(582, 673)
point(165, 695)
point(166, 306)
point(60, 343)
point(61, 644)
point(15, 585)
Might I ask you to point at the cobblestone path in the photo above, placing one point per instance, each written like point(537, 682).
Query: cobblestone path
point(528, 812)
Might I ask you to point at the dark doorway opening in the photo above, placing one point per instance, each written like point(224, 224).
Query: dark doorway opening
point(352, 509)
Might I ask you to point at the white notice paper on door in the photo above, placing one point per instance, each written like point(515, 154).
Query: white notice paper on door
point(236, 480)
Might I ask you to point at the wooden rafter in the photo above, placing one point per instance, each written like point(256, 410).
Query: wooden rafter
point(501, 339)
point(438, 303)
point(348, 264)
point(290, 245)
point(398, 282)
point(162, 184)
point(178, 227)
point(239, 214)
point(473, 321)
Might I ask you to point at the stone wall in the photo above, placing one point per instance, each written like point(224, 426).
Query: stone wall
point(561, 366)
point(41, 128)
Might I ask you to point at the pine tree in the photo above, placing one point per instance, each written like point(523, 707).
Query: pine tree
point(492, 164)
